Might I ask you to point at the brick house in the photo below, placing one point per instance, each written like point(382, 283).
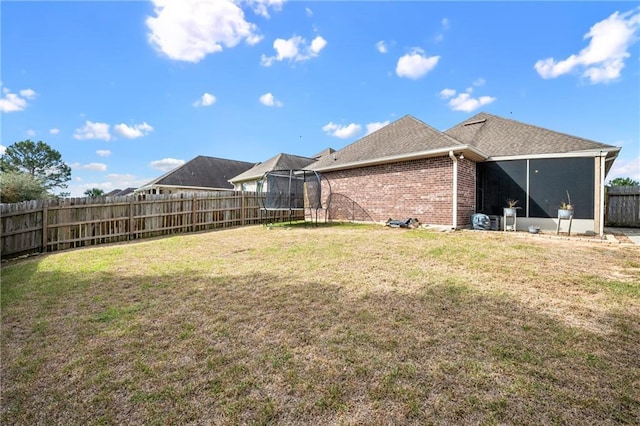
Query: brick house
point(408, 169)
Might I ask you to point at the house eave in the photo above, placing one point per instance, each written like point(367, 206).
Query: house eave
point(469, 152)
point(609, 152)
point(182, 187)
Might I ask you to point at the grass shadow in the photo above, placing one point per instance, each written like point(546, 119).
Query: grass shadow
point(194, 345)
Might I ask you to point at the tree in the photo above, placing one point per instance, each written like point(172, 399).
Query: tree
point(627, 181)
point(20, 186)
point(94, 192)
point(39, 160)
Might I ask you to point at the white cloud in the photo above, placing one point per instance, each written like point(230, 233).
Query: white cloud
point(122, 178)
point(445, 26)
point(381, 46)
point(103, 152)
point(625, 168)
point(317, 44)
point(464, 101)
point(261, 7)
point(372, 127)
point(309, 12)
point(478, 82)
point(294, 49)
point(92, 130)
point(207, 99)
point(3, 149)
point(188, 30)
point(114, 181)
point(340, 131)
point(31, 133)
point(54, 131)
point(28, 93)
point(447, 93)
point(166, 164)
point(12, 102)
point(132, 132)
point(603, 59)
point(94, 167)
point(416, 64)
point(268, 100)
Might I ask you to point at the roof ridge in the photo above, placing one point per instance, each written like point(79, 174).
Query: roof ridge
point(452, 139)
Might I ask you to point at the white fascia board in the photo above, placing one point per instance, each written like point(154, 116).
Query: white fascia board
point(246, 179)
point(470, 152)
point(573, 154)
point(201, 188)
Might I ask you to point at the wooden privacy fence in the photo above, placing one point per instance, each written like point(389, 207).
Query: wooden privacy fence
point(60, 224)
point(623, 206)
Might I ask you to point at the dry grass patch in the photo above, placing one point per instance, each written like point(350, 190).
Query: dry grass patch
point(331, 325)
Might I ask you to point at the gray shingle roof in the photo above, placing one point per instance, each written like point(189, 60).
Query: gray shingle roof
point(279, 162)
point(404, 136)
point(204, 172)
point(497, 136)
point(120, 192)
point(126, 191)
point(324, 152)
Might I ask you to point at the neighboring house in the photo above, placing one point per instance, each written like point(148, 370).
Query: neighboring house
point(408, 169)
point(248, 180)
point(201, 174)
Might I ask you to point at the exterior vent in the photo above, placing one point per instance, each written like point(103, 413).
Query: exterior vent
point(475, 122)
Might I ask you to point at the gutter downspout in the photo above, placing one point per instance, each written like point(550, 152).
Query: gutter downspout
point(603, 158)
point(455, 189)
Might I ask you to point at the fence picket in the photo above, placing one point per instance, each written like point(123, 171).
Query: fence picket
point(623, 206)
point(59, 224)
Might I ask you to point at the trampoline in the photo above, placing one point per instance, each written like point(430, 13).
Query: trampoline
point(290, 191)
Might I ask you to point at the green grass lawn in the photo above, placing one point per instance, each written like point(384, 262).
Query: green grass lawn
point(328, 325)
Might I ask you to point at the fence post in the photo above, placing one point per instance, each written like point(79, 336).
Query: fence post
point(131, 221)
point(45, 215)
point(243, 207)
point(194, 215)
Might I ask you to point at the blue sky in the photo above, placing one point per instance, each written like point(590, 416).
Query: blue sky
point(129, 90)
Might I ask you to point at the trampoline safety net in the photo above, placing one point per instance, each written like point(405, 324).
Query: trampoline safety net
point(291, 190)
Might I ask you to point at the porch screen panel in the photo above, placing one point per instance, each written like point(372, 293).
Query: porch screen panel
point(500, 181)
point(549, 179)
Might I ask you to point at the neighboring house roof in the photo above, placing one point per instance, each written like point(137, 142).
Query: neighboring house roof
point(202, 172)
point(395, 141)
point(279, 162)
point(125, 192)
point(500, 137)
point(119, 192)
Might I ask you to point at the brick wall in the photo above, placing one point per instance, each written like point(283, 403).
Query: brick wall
point(466, 191)
point(411, 189)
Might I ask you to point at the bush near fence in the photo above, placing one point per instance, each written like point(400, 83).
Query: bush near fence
point(60, 224)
